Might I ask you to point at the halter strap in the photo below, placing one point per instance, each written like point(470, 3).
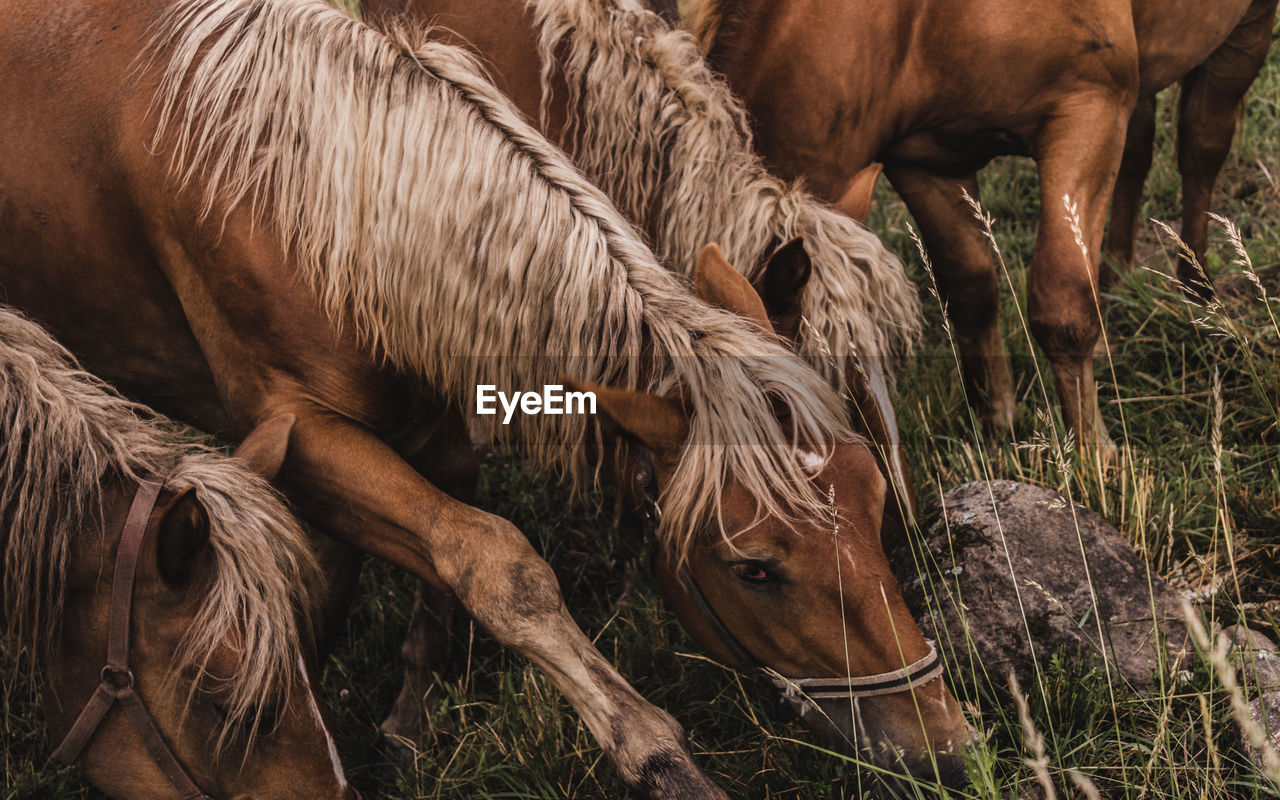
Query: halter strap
point(117, 684)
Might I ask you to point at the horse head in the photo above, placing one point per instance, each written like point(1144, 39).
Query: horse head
point(218, 725)
point(809, 604)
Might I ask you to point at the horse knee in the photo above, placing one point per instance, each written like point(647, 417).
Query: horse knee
point(1067, 328)
point(505, 586)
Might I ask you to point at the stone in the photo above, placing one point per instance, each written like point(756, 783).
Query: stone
point(1258, 660)
point(988, 566)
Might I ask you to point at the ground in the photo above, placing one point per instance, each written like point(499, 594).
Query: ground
point(1190, 394)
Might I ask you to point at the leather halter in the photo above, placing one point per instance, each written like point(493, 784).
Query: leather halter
point(117, 684)
point(799, 694)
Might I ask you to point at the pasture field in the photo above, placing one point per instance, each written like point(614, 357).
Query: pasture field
point(1191, 394)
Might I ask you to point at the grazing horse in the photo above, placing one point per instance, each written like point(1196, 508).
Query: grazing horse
point(936, 90)
point(642, 116)
point(249, 210)
point(644, 119)
point(109, 519)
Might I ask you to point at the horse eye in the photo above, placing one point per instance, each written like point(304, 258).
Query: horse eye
point(265, 717)
point(221, 711)
point(752, 572)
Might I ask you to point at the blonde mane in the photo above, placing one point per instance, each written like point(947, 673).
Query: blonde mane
point(705, 19)
point(465, 248)
point(64, 436)
point(670, 144)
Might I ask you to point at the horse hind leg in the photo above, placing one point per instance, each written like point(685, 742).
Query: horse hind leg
point(1211, 95)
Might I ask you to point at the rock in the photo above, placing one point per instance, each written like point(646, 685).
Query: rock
point(1258, 661)
point(979, 602)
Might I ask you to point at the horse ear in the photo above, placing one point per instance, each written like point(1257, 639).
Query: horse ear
point(719, 284)
point(182, 537)
point(856, 201)
point(658, 423)
point(266, 446)
point(782, 285)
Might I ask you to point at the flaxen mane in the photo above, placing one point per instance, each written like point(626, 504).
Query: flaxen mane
point(706, 20)
point(670, 144)
point(466, 248)
point(64, 435)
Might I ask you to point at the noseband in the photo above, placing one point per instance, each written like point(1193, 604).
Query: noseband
point(798, 694)
point(117, 684)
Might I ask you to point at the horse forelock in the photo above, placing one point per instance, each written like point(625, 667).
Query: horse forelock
point(64, 435)
point(650, 119)
point(407, 185)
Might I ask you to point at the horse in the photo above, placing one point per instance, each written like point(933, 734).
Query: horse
point(929, 91)
point(633, 103)
point(211, 571)
point(250, 211)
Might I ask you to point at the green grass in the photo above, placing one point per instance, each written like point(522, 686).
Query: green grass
point(1202, 507)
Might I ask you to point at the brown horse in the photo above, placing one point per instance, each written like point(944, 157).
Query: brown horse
point(936, 90)
point(275, 212)
point(224, 583)
point(643, 118)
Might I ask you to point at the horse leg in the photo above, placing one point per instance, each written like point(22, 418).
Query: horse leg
point(873, 416)
point(1126, 201)
point(449, 461)
point(1080, 150)
point(426, 649)
point(966, 279)
point(1211, 95)
point(364, 493)
point(340, 563)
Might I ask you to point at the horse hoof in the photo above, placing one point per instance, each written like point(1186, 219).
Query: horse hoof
point(401, 751)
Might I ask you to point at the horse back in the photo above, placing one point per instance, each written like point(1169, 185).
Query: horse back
point(202, 315)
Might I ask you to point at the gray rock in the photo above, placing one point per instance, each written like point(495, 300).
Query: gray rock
point(1258, 660)
point(987, 568)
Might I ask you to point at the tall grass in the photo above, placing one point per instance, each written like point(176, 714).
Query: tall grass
point(1192, 396)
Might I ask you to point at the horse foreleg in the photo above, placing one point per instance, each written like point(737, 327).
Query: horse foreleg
point(1126, 201)
point(446, 458)
point(872, 414)
point(1079, 155)
point(1211, 94)
point(362, 492)
point(426, 649)
point(967, 281)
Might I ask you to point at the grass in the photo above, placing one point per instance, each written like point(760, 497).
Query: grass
point(1193, 399)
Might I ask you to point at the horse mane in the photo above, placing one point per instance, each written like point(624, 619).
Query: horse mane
point(64, 435)
point(705, 19)
point(668, 141)
point(464, 248)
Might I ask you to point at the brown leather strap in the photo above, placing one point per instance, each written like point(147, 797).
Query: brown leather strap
point(117, 678)
point(154, 741)
point(90, 718)
point(135, 525)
